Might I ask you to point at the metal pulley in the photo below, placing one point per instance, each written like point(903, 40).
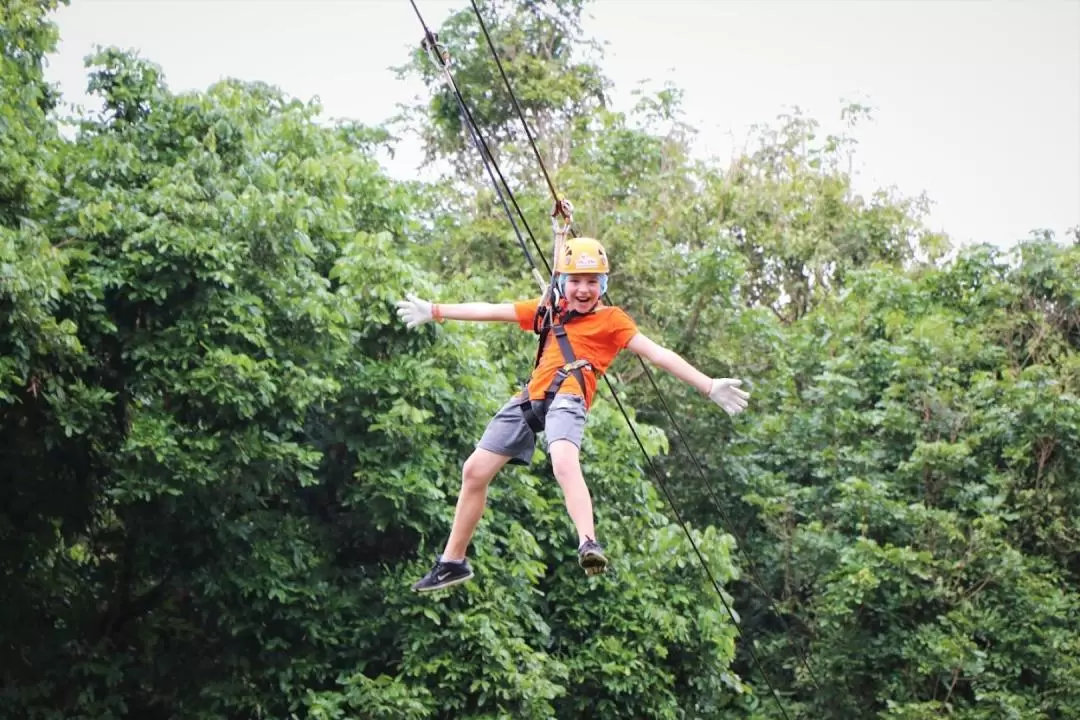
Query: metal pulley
point(436, 50)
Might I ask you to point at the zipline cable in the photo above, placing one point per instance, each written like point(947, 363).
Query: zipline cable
point(474, 131)
point(697, 551)
point(648, 373)
point(513, 99)
point(486, 157)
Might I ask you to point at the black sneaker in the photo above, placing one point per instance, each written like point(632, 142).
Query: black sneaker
point(591, 557)
point(444, 575)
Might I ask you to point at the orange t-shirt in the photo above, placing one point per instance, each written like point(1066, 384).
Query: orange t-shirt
point(597, 337)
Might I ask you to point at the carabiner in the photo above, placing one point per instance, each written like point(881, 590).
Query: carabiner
point(564, 209)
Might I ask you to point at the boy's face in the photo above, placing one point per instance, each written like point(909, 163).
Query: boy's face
point(582, 291)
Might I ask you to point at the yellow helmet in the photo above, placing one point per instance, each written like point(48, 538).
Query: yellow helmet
point(582, 255)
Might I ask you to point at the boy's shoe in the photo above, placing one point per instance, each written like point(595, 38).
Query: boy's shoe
point(444, 575)
point(591, 557)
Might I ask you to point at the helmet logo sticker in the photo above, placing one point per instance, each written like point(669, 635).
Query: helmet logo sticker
point(585, 260)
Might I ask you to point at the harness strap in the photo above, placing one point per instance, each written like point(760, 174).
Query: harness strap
point(573, 365)
point(535, 411)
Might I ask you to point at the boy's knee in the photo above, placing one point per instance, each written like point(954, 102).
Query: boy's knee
point(564, 459)
point(479, 469)
point(472, 477)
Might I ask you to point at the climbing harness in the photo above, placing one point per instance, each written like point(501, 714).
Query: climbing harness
point(549, 302)
point(547, 321)
point(535, 411)
point(562, 220)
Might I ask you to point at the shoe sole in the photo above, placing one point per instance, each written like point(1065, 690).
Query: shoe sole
point(593, 563)
point(443, 586)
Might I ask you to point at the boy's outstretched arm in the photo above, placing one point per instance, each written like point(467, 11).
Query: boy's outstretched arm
point(414, 311)
point(724, 392)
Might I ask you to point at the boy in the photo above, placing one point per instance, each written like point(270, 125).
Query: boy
point(556, 399)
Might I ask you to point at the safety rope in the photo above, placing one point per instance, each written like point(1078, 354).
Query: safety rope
point(439, 55)
point(442, 59)
point(648, 373)
point(513, 99)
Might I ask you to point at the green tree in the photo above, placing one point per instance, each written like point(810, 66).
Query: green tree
point(550, 64)
point(234, 480)
point(26, 101)
point(227, 460)
point(908, 474)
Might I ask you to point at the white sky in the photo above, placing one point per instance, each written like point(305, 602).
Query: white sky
point(977, 101)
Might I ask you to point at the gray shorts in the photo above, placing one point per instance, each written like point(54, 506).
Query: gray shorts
point(509, 434)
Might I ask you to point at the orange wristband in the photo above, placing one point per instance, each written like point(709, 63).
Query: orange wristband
point(436, 313)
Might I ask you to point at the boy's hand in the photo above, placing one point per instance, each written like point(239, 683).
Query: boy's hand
point(414, 311)
point(725, 392)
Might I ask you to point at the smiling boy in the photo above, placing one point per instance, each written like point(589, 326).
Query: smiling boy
point(588, 335)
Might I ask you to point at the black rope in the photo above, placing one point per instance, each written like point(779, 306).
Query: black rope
point(524, 124)
point(486, 156)
point(701, 558)
point(513, 99)
point(712, 492)
point(727, 520)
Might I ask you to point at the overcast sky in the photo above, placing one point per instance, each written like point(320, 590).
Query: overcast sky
point(977, 101)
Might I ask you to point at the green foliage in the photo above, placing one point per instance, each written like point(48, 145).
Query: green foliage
point(25, 102)
point(226, 459)
point(913, 472)
point(230, 460)
point(551, 66)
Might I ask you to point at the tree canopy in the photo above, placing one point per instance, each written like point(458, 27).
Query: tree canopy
point(225, 460)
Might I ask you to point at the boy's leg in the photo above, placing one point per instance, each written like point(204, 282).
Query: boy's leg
point(566, 464)
point(565, 427)
point(507, 438)
point(477, 473)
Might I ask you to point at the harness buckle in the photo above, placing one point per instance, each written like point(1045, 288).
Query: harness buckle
point(570, 367)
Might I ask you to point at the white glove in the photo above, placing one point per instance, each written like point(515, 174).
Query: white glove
point(725, 392)
point(414, 311)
